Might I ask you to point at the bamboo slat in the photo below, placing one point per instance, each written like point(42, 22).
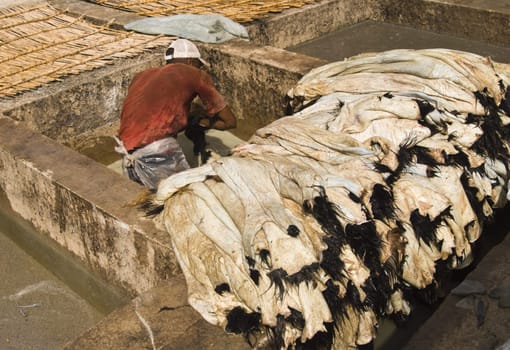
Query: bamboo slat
point(39, 45)
point(241, 11)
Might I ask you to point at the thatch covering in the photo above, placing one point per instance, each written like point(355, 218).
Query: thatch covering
point(40, 44)
point(241, 11)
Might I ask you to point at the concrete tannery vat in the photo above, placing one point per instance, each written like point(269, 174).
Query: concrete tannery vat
point(82, 205)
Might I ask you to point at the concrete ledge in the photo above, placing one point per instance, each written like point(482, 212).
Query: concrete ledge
point(82, 206)
point(473, 19)
point(298, 25)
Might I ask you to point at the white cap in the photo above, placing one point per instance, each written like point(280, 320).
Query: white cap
point(184, 49)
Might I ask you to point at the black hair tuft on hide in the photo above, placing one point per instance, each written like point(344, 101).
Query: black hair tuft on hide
point(505, 102)
point(255, 276)
point(306, 274)
point(307, 206)
point(353, 297)
point(424, 107)
point(354, 198)
point(293, 230)
point(250, 260)
point(491, 144)
point(365, 242)
point(150, 208)
point(296, 319)
point(405, 158)
point(474, 118)
point(378, 288)
point(335, 304)
point(501, 85)
point(279, 332)
point(320, 341)
point(435, 128)
point(265, 257)
point(373, 297)
point(156, 210)
point(381, 202)
point(423, 226)
point(326, 213)
point(381, 168)
point(423, 156)
point(278, 277)
point(239, 321)
point(432, 171)
point(331, 262)
point(485, 99)
point(221, 288)
point(452, 136)
point(471, 193)
point(428, 295)
point(457, 159)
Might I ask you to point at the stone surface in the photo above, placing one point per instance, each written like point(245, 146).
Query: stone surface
point(456, 327)
point(158, 319)
point(485, 22)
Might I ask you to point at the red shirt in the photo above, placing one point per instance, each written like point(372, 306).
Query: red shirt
point(158, 103)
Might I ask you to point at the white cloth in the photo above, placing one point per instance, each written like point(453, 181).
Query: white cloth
point(206, 28)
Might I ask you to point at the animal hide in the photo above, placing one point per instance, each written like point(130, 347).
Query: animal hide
point(324, 220)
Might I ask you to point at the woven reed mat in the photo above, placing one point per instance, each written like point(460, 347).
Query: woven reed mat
point(39, 44)
point(241, 11)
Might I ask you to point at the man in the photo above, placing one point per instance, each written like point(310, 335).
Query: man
point(157, 108)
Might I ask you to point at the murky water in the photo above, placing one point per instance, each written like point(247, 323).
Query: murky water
point(373, 36)
point(101, 148)
point(46, 298)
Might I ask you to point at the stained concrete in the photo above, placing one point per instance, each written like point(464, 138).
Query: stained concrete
point(158, 319)
point(371, 36)
point(454, 327)
point(47, 254)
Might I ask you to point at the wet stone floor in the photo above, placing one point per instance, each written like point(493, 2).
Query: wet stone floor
point(37, 310)
point(46, 298)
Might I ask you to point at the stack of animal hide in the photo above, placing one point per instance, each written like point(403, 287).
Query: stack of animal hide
point(327, 220)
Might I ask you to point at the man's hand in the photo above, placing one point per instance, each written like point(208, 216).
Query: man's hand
point(207, 122)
